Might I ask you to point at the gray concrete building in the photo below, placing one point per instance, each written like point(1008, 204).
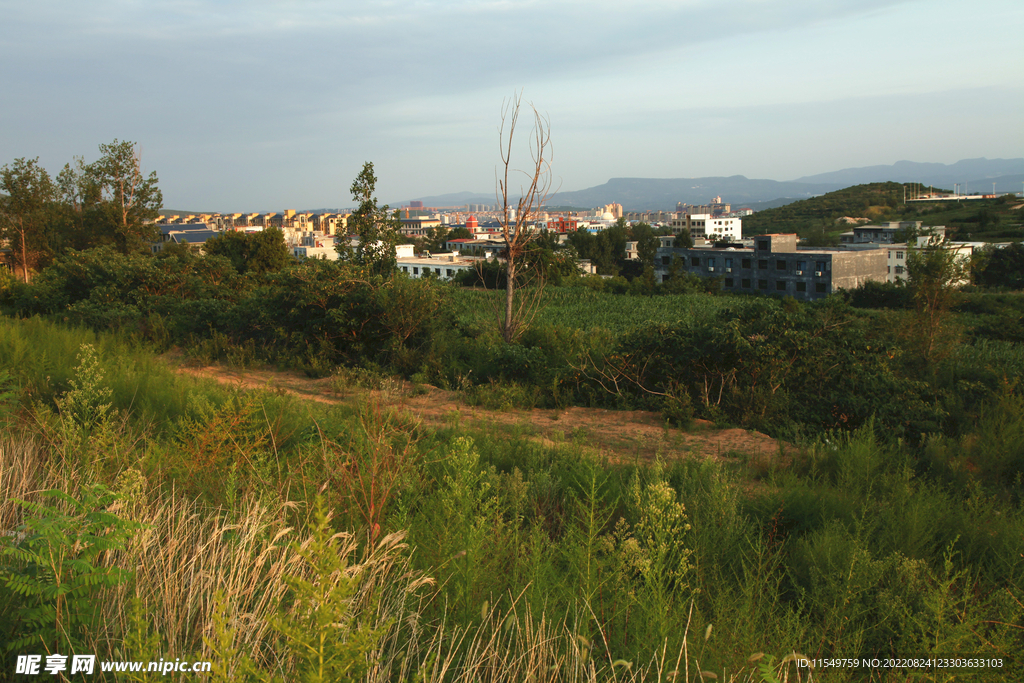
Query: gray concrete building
point(775, 265)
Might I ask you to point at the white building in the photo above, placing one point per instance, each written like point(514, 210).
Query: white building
point(707, 226)
point(898, 253)
point(328, 253)
point(442, 266)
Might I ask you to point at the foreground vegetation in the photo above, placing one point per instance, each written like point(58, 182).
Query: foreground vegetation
point(783, 367)
point(149, 516)
point(201, 523)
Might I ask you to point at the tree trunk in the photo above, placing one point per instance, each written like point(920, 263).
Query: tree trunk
point(510, 280)
point(24, 254)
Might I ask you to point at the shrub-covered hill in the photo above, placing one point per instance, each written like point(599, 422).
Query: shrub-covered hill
point(989, 219)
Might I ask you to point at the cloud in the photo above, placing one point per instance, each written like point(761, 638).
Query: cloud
point(317, 87)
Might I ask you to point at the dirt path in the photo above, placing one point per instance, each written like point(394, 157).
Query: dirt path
point(620, 436)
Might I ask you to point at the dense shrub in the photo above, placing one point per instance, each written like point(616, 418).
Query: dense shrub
point(873, 294)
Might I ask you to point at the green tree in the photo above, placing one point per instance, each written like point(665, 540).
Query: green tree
point(583, 242)
point(460, 232)
point(257, 252)
point(434, 239)
point(935, 271)
point(988, 218)
point(23, 211)
point(684, 240)
point(606, 250)
point(79, 221)
point(821, 235)
point(178, 250)
point(131, 201)
point(646, 244)
point(553, 264)
point(611, 248)
point(378, 230)
point(1001, 267)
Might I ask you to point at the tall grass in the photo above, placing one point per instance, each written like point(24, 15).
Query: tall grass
point(22, 474)
point(494, 558)
point(208, 585)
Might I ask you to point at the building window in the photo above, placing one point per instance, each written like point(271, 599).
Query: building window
point(899, 255)
point(405, 269)
point(888, 269)
point(666, 260)
point(694, 262)
point(415, 270)
point(437, 270)
point(728, 263)
point(820, 265)
point(801, 286)
point(728, 282)
point(745, 283)
point(451, 272)
point(801, 265)
point(780, 286)
point(780, 265)
point(763, 245)
point(762, 264)
point(711, 263)
point(762, 284)
point(899, 270)
point(745, 262)
point(820, 287)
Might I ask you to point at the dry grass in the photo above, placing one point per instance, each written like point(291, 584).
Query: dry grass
point(193, 565)
point(184, 556)
point(22, 473)
point(519, 646)
point(188, 554)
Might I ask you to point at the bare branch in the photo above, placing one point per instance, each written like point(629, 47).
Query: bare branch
point(516, 222)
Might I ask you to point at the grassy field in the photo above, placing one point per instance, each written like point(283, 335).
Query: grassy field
point(240, 526)
point(588, 310)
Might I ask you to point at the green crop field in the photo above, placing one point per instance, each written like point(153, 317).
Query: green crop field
point(586, 309)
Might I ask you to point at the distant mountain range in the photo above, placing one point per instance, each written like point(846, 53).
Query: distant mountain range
point(974, 174)
point(642, 194)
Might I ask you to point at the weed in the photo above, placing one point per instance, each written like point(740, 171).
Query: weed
point(453, 418)
point(56, 564)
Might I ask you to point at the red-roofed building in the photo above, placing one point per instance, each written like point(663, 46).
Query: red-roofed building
point(562, 224)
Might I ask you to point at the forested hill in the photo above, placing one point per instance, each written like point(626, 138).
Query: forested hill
point(991, 219)
point(873, 200)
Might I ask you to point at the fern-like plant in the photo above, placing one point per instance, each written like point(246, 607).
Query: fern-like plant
point(328, 633)
point(54, 566)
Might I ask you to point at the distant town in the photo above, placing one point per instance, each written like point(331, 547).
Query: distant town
point(768, 264)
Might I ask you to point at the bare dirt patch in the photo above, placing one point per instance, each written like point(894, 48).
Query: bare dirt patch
point(618, 435)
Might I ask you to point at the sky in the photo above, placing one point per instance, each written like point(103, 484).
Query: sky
point(259, 105)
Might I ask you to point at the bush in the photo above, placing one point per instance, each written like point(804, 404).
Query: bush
point(873, 294)
point(55, 566)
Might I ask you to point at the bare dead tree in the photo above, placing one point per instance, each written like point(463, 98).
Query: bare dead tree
point(517, 220)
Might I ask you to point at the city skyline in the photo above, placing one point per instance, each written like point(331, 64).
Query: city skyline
point(260, 105)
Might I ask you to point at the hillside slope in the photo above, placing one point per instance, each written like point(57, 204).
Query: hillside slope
point(985, 220)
